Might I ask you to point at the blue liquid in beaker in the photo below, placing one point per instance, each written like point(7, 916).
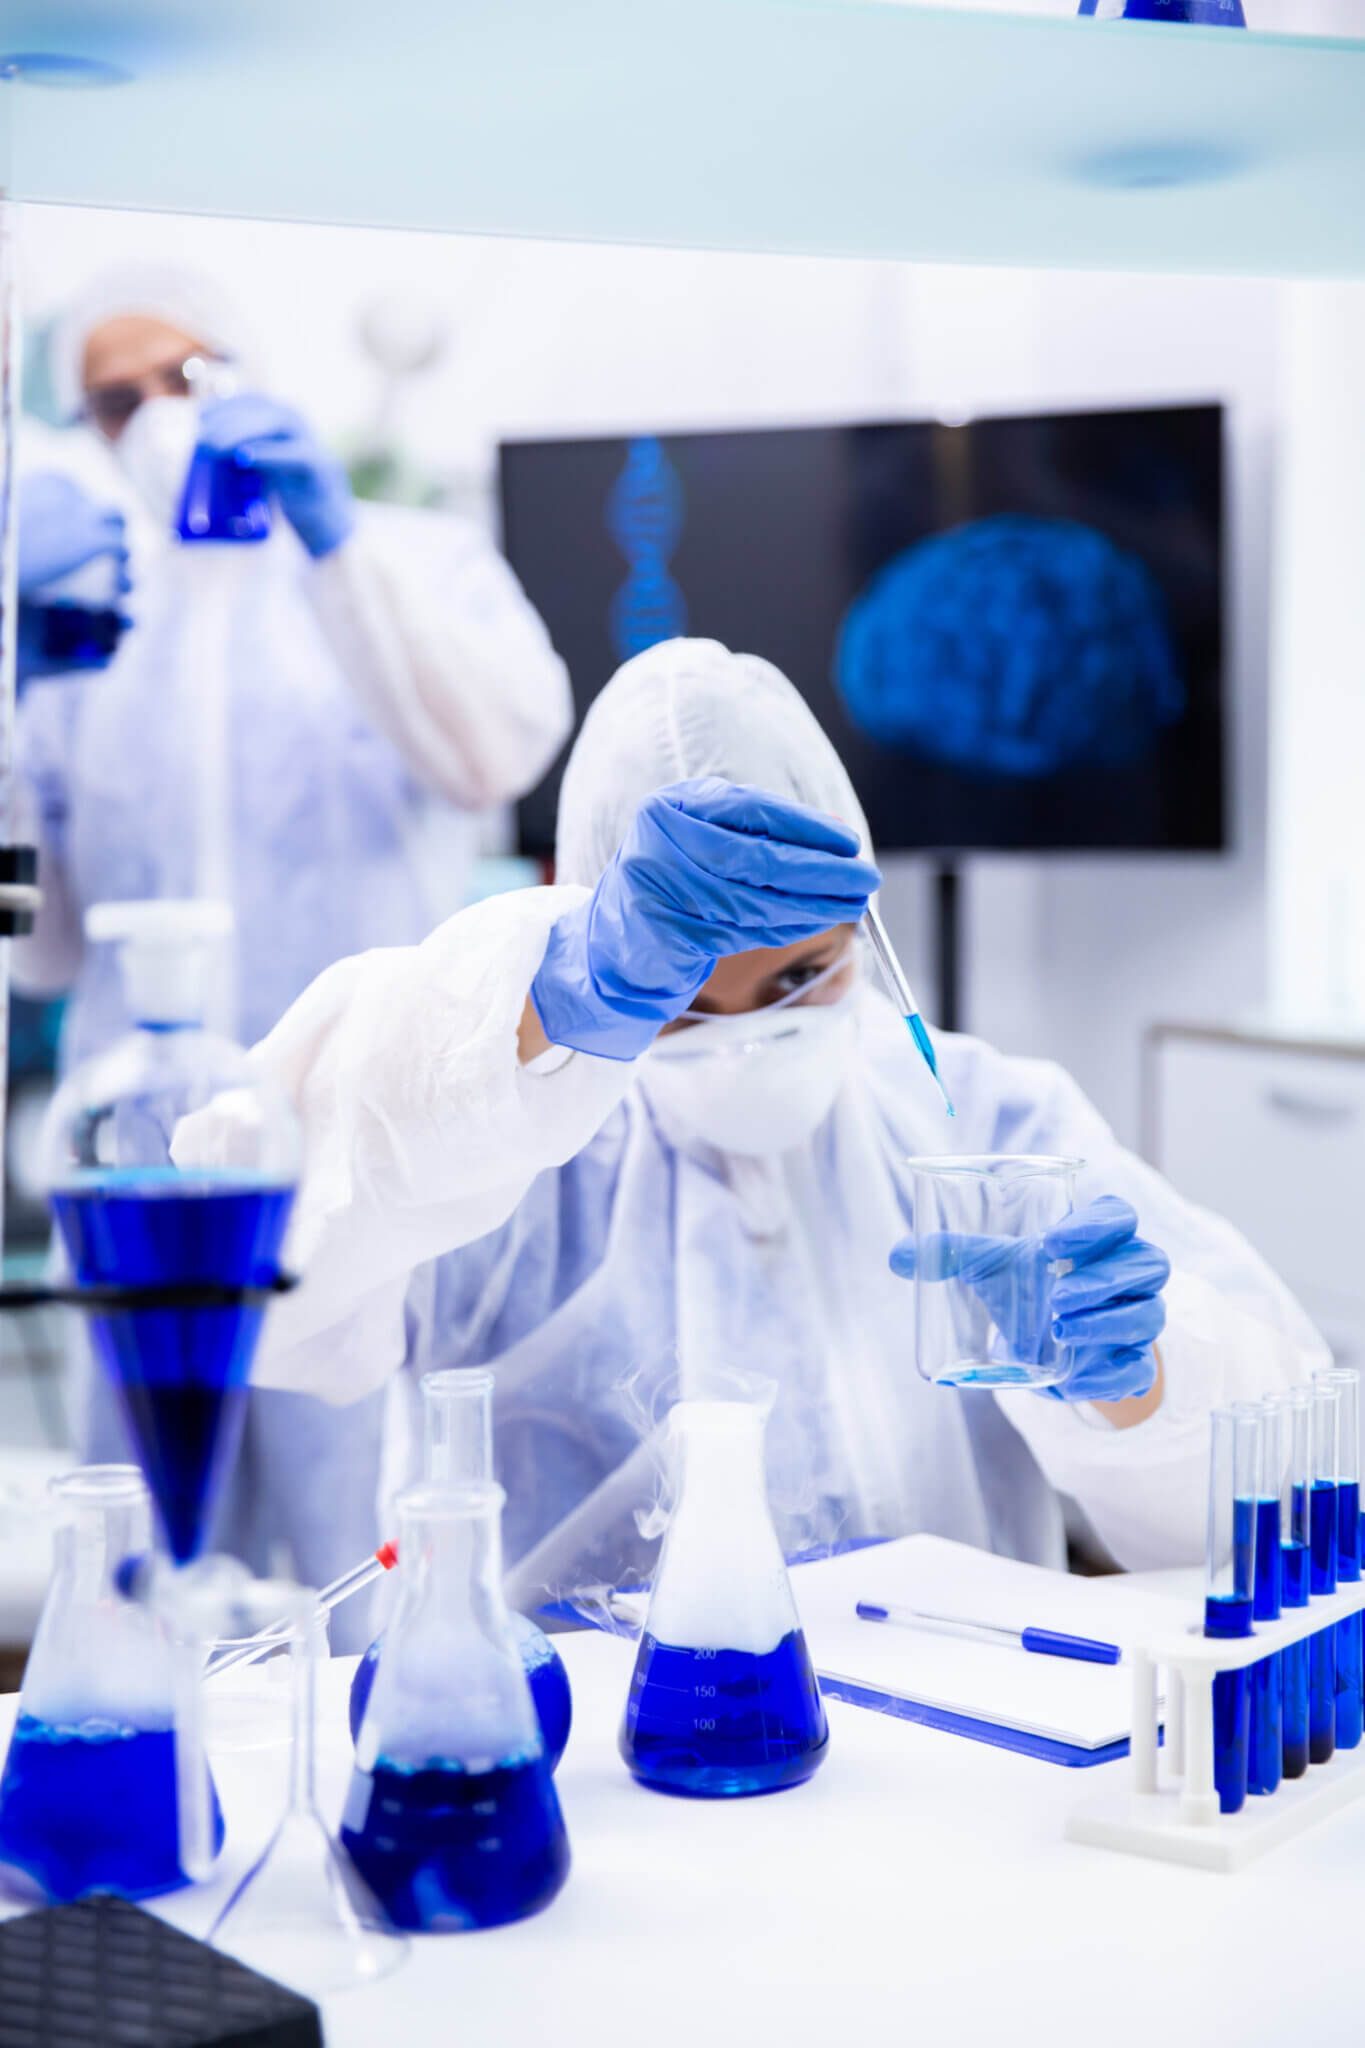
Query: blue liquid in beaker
point(545, 1674)
point(180, 1373)
point(444, 1848)
point(722, 1723)
point(62, 635)
point(92, 1809)
point(223, 499)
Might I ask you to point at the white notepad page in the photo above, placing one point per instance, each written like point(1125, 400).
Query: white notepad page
point(1087, 1705)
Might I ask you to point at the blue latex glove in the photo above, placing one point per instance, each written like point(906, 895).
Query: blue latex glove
point(61, 529)
point(1107, 1311)
point(707, 869)
point(271, 438)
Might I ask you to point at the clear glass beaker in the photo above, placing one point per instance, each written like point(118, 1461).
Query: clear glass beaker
point(88, 1797)
point(983, 1279)
point(452, 1818)
point(457, 1426)
point(723, 1700)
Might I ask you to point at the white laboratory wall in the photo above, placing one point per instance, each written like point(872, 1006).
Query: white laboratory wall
point(1067, 956)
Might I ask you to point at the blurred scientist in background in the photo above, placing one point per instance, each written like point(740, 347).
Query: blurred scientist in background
point(380, 679)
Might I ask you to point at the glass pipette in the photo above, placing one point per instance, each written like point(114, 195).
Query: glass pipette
point(279, 1634)
point(902, 995)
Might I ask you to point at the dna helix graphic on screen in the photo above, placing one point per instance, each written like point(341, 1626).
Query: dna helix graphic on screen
point(645, 510)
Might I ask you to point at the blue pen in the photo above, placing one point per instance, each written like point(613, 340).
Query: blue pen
point(1043, 1642)
point(902, 995)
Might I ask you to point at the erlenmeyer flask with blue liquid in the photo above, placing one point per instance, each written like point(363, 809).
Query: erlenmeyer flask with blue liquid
point(457, 1430)
point(723, 1700)
point(452, 1818)
point(224, 499)
point(88, 1795)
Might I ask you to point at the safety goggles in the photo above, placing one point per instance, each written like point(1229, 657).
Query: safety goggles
point(824, 988)
point(111, 406)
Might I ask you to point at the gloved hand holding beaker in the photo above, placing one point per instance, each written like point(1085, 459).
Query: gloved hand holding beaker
point(269, 437)
point(1079, 1305)
point(706, 870)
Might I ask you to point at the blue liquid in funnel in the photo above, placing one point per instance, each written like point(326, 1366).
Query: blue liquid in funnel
point(717, 1724)
point(444, 1849)
point(545, 1674)
point(180, 1373)
point(91, 1809)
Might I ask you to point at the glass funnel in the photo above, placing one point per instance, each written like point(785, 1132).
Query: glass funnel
point(88, 1797)
point(302, 1913)
point(457, 1423)
point(723, 1700)
point(148, 1194)
point(452, 1818)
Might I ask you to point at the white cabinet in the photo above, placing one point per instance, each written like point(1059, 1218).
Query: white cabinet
point(1270, 1132)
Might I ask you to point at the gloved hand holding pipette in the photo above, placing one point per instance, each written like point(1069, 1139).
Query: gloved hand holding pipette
point(1090, 1286)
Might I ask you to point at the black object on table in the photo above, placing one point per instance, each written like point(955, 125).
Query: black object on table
point(106, 1974)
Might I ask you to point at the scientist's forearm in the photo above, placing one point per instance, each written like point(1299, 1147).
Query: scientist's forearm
point(1136, 1408)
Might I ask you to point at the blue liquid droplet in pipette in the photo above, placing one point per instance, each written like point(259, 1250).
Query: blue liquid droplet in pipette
point(925, 1044)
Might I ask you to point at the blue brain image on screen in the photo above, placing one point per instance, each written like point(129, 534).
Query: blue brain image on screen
point(1013, 646)
point(644, 512)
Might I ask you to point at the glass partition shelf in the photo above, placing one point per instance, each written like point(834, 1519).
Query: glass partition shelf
point(857, 127)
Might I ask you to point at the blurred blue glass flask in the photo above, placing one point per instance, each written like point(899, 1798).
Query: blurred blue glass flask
point(224, 499)
point(1198, 13)
point(723, 1700)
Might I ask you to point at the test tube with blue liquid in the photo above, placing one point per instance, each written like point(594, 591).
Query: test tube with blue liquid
point(1295, 1574)
point(1266, 1679)
point(1234, 1453)
point(1322, 1571)
point(1350, 1673)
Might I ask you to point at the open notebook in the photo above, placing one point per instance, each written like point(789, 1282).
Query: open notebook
point(1053, 1707)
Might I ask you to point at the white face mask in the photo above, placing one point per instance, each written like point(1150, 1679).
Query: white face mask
point(154, 453)
point(752, 1085)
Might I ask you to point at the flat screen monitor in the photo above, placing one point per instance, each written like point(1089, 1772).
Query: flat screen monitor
point(1011, 629)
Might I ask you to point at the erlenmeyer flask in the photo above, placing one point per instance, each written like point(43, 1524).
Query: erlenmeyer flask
point(136, 1208)
point(458, 1446)
point(723, 1700)
point(223, 499)
point(301, 1913)
point(88, 1793)
point(452, 1818)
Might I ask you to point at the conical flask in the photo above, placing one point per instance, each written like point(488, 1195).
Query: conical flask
point(135, 1207)
point(458, 1446)
point(88, 1794)
point(223, 499)
point(723, 1700)
point(452, 1818)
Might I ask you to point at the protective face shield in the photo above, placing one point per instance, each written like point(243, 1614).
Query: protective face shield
point(154, 453)
point(762, 1082)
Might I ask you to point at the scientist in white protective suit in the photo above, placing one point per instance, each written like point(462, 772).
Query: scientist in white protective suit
point(307, 726)
point(528, 1150)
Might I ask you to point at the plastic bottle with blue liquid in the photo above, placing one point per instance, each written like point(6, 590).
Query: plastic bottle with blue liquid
point(723, 1700)
point(452, 1818)
point(458, 1447)
point(147, 1193)
point(88, 1794)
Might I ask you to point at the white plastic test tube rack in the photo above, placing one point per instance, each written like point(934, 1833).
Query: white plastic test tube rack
point(1165, 1804)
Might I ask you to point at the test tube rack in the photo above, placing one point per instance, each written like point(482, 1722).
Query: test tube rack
point(1165, 1805)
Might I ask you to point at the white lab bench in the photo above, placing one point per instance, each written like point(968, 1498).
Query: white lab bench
point(917, 1889)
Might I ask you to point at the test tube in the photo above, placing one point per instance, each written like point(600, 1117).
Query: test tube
point(1234, 1450)
point(1322, 1557)
point(1350, 1694)
point(1266, 1760)
point(1294, 1560)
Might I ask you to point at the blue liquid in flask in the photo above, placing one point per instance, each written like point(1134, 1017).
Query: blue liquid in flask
point(63, 635)
point(92, 1808)
point(545, 1674)
point(718, 1724)
point(445, 1849)
point(180, 1373)
point(223, 499)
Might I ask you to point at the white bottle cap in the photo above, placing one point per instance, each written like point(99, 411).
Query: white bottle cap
point(164, 953)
